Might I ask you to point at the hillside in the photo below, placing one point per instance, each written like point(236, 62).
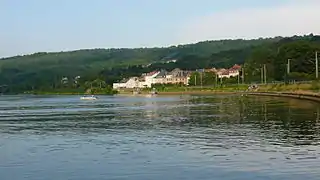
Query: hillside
point(45, 70)
point(300, 51)
point(41, 70)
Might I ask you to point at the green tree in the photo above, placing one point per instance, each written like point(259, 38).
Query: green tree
point(195, 79)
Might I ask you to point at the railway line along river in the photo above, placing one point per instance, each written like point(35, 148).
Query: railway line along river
point(162, 137)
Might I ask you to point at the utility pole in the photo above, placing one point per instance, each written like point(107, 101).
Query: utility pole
point(195, 80)
point(265, 73)
point(317, 72)
point(217, 77)
point(288, 70)
point(238, 79)
point(261, 77)
point(288, 66)
point(243, 75)
point(201, 79)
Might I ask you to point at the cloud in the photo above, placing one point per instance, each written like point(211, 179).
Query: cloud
point(294, 18)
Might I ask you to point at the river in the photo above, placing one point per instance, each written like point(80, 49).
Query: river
point(163, 137)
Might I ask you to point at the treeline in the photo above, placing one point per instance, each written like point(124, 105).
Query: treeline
point(44, 71)
point(289, 59)
point(268, 60)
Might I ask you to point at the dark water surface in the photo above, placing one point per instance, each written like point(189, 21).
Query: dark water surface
point(158, 138)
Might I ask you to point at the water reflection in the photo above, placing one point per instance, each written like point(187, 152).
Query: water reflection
point(209, 136)
point(288, 117)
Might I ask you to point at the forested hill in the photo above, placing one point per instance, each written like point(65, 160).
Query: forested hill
point(125, 56)
point(45, 70)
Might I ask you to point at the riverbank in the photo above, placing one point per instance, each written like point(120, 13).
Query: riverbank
point(307, 95)
point(298, 95)
point(291, 93)
point(199, 92)
point(189, 90)
point(309, 91)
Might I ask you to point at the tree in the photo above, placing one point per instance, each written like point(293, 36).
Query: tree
point(43, 71)
point(205, 79)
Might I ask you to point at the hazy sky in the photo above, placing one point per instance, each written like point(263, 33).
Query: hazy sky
point(29, 26)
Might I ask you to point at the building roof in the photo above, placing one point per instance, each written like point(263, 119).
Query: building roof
point(151, 73)
point(178, 73)
point(236, 67)
point(162, 74)
point(226, 72)
point(211, 70)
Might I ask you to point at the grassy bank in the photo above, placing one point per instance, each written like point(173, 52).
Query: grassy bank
point(310, 91)
point(303, 89)
point(311, 88)
point(314, 87)
point(190, 90)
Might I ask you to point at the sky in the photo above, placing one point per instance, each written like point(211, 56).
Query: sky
point(29, 26)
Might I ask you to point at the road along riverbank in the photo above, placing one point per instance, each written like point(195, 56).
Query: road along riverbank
point(298, 95)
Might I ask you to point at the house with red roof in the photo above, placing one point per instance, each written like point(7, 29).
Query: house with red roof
point(227, 73)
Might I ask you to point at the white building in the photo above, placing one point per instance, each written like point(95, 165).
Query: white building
point(133, 82)
point(176, 76)
point(228, 73)
point(148, 79)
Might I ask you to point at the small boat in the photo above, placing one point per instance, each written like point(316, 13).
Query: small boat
point(92, 97)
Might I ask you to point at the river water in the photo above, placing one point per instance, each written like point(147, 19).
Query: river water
point(165, 137)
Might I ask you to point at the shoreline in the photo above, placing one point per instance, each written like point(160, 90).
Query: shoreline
point(296, 95)
point(303, 95)
point(183, 93)
point(306, 95)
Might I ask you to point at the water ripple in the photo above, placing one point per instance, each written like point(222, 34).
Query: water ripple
point(164, 137)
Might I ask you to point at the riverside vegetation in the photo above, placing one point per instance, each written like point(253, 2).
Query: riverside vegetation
point(99, 68)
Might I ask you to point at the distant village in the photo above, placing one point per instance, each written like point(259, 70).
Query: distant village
point(176, 76)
